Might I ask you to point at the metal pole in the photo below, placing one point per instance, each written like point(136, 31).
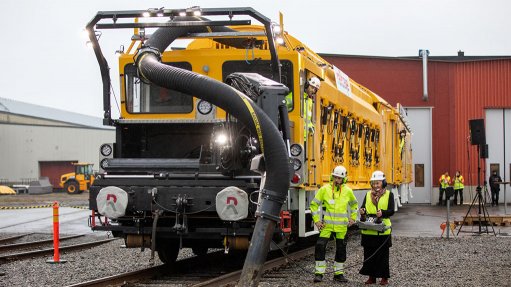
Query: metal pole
point(504, 146)
point(505, 202)
point(448, 225)
point(479, 189)
point(424, 54)
point(56, 253)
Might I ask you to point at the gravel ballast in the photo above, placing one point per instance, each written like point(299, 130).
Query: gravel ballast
point(418, 256)
point(423, 261)
point(463, 261)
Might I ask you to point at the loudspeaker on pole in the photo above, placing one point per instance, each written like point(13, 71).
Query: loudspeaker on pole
point(483, 151)
point(477, 133)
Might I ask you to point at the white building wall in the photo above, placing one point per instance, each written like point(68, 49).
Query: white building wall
point(498, 138)
point(420, 120)
point(23, 146)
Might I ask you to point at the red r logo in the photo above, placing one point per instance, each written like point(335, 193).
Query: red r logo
point(111, 196)
point(230, 198)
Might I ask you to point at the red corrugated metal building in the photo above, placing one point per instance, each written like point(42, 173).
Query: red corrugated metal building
point(460, 88)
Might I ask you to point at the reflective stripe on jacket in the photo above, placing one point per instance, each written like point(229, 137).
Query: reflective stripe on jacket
point(371, 209)
point(335, 215)
point(458, 182)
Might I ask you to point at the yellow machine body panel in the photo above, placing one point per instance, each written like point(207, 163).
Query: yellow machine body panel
point(371, 140)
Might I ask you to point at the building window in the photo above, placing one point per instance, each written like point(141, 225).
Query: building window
point(142, 98)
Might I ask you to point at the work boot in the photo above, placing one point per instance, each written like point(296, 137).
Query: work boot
point(318, 278)
point(340, 278)
point(384, 281)
point(371, 280)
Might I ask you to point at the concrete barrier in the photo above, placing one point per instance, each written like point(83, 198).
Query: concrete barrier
point(40, 186)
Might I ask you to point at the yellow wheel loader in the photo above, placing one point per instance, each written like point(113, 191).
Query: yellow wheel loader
point(78, 181)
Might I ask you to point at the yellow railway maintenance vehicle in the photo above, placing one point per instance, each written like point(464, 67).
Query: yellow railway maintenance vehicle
point(206, 143)
point(78, 181)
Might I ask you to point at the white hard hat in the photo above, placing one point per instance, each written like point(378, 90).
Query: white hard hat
point(339, 171)
point(314, 81)
point(378, 175)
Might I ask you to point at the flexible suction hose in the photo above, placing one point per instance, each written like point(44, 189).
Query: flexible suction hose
point(240, 106)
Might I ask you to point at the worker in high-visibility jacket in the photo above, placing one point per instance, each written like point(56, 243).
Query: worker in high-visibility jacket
point(338, 212)
point(309, 94)
point(378, 206)
point(445, 181)
point(311, 88)
point(458, 187)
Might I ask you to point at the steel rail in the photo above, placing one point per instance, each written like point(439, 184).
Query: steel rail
point(233, 277)
point(34, 243)
point(12, 238)
point(49, 251)
point(151, 272)
point(117, 279)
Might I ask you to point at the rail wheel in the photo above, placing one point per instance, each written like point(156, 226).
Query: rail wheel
point(72, 187)
point(168, 251)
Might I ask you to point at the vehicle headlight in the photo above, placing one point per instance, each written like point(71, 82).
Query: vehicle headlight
point(106, 150)
point(221, 139)
point(204, 107)
point(297, 164)
point(296, 149)
point(104, 163)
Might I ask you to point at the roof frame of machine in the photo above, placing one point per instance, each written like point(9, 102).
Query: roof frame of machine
point(160, 13)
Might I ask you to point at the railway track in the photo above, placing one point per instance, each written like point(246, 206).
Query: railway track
point(214, 269)
point(12, 238)
point(8, 247)
point(49, 251)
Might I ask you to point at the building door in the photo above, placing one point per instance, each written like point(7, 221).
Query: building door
point(420, 120)
point(498, 139)
point(54, 169)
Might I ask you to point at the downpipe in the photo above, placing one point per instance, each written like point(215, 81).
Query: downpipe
point(274, 191)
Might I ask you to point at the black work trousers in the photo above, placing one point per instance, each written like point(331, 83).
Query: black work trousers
point(441, 196)
point(340, 249)
point(456, 192)
point(495, 196)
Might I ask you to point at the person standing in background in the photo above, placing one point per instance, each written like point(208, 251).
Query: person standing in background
point(458, 187)
point(495, 188)
point(445, 181)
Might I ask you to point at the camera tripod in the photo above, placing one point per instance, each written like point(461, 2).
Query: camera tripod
point(483, 215)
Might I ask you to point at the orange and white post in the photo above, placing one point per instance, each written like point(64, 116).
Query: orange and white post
point(56, 255)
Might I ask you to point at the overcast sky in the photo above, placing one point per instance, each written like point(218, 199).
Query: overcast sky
point(45, 60)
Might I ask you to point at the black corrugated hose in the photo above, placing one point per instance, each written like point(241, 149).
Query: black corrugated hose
point(244, 109)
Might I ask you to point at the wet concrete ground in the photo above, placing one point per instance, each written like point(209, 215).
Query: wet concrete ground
point(424, 220)
point(40, 220)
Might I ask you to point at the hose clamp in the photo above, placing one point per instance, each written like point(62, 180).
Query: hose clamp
point(264, 212)
point(146, 49)
point(273, 196)
point(266, 215)
point(140, 55)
